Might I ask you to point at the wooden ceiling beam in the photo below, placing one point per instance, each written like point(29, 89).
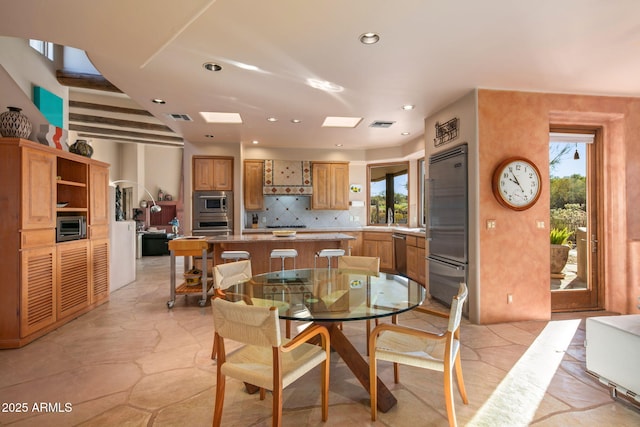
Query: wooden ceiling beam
point(116, 132)
point(109, 121)
point(85, 81)
point(108, 108)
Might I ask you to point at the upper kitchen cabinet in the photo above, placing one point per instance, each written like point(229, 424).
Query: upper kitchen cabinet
point(330, 186)
point(253, 185)
point(212, 173)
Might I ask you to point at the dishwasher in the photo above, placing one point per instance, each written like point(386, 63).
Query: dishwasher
point(400, 253)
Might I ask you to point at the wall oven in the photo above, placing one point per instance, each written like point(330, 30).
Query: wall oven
point(212, 213)
point(70, 228)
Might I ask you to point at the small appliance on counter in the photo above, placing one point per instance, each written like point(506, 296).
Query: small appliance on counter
point(70, 228)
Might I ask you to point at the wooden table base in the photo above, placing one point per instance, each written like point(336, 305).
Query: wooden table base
point(358, 365)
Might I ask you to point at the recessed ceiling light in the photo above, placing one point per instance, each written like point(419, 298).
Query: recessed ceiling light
point(338, 145)
point(212, 66)
point(208, 135)
point(408, 107)
point(158, 101)
point(210, 117)
point(255, 142)
point(369, 38)
point(296, 121)
point(324, 85)
point(272, 119)
point(405, 133)
point(341, 122)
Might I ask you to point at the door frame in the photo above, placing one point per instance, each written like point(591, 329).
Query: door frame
point(593, 297)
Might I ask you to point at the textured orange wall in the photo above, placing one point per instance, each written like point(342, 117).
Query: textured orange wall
point(514, 257)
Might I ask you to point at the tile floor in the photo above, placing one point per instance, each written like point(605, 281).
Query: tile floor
point(133, 362)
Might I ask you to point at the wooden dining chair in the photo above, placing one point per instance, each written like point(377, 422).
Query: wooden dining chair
point(225, 275)
point(362, 264)
point(415, 347)
point(266, 360)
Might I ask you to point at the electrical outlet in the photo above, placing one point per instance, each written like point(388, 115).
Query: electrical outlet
point(491, 224)
point(540, 224)
point(509, 298)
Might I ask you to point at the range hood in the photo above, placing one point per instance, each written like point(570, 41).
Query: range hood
point(287, 177)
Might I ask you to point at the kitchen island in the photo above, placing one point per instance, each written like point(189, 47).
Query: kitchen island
point(261, 245)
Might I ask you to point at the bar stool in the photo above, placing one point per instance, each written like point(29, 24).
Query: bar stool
point(235, 255)
point(329, 254)
point(282, 254)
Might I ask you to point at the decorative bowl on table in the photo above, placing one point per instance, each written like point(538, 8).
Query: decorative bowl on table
point(284, 233)
point(62, 204)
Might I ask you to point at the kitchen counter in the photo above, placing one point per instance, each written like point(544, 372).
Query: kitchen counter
point(260, 246)
point(419, 232)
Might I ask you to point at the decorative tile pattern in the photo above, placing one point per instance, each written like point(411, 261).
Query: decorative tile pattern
point(287, 177)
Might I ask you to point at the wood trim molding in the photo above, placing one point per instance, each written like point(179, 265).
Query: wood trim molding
point(85, 81)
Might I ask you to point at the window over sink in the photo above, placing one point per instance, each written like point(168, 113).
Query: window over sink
point(388, 193)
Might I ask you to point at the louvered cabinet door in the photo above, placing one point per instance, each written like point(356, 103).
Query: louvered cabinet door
point(38, 296)
point(73, 277)
point(99, 270)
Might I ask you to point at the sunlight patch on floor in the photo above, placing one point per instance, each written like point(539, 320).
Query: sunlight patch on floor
point(516, 399)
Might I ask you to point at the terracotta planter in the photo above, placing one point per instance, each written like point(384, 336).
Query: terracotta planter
point(559, 257)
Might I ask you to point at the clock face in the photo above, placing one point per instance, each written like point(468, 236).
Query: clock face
point(516, 183)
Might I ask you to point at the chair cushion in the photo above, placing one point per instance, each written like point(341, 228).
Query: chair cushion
point(411, 350)
point(253, 364)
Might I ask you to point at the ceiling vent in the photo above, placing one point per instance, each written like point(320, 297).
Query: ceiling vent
point(381, 124)
point(181, 117)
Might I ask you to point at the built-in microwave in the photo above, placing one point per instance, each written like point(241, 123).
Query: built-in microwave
point(70, 228)
point(212, 202)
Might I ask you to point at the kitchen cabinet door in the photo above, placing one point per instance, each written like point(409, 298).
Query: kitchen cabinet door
point(99, 270)
point(330, 186)
point(73, 284)
point(253, 185)
point(379, 245)
point(212, 173)
point(38, 291)
point(98, 196)
point(38, 189)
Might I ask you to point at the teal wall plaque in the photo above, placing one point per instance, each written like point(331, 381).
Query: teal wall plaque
point(49, 104)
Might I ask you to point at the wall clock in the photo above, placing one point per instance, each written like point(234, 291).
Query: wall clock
point(516, 183)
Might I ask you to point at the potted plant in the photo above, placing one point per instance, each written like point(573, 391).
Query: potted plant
point(559, 251)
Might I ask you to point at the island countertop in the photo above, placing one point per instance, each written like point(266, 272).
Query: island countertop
point(298, 237)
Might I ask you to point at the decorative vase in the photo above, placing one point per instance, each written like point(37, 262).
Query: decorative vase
point(559, 257)
point(14, 124)
point(81, 147)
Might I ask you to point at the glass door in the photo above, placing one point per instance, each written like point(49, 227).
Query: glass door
point(573, 219)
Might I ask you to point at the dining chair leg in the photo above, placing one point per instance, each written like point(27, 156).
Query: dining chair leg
point(263, 393)
point(217, 412)
point(287, 328)
point(448, 395)
point(277, 406)
point(373, 388)
point(325, 390)
point(214, 350)
point(459, 378)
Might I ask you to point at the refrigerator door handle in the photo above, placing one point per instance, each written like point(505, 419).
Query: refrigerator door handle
point(427, 202)
point(449, 265)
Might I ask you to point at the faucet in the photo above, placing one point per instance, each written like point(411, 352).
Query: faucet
point(389, 217)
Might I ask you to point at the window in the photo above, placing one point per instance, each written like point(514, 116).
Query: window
point(388, 193)
point(45, 48)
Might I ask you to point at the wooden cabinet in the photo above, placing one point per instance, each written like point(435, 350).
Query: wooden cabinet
point(416, 264)
point(330, 186)
point(253, 185)
point(355, 246)
point(379, 244)
point(212, 173)
point(45, 284)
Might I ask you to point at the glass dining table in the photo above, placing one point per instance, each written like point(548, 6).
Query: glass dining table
point(330, 297)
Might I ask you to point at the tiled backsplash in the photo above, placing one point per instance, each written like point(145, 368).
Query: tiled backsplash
point(296, 210)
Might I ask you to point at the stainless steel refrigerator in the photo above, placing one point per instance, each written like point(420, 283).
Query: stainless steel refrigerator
point(447, 223)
